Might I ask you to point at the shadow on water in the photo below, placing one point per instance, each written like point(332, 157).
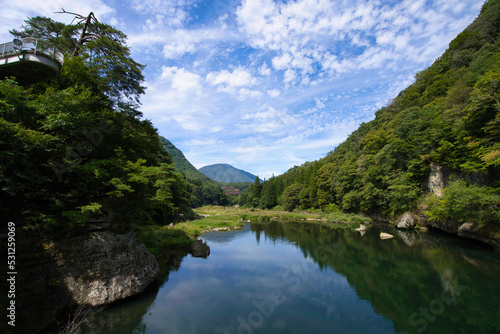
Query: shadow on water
point(424, 282)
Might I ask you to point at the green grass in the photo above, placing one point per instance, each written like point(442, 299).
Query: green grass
point(197, 227)
point(347, 218)
point(254, 215)
point(219, 216)
point(160, 238)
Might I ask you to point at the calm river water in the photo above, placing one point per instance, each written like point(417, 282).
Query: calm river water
point(308, 278)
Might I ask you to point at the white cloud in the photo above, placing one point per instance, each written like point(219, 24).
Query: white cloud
point(185, 41)
point(270, 120)
point(321, 33)
point(265, 114)
point(180, 79)
point(319, 104)
point(178, 101)
point(165, 12)
point(245, 93)
point(264, 70)
point(289, 76)
point(235, 82)
point(237, 78)
point(177, 48)
point(176, 43)
point(274, 92)
point(253, 14)
point(282, 62)
point(269, 83)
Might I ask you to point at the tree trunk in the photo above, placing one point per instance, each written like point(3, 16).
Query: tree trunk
point(82, 35)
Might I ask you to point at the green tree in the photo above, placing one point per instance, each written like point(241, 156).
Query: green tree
point(268, 195)
point(484, 103)
point(465, 203)
point(69, 154)
point(291, 197)
point(105, 51)
point(255, 192)
point(323, 180)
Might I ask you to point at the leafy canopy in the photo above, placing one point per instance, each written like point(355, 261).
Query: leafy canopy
point(74, 150)
point(101, 46)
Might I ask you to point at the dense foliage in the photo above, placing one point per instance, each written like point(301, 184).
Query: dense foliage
point(182, 165)
point(450, 117)
point(464, 202)
point(75, 150)
point(114, 71)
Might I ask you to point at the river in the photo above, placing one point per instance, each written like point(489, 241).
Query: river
point(310, 278)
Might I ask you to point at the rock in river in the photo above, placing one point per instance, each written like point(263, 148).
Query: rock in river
point(105, 267)
point(200, 249)
point(407, 220)
point(361, 228)
point(385, 235)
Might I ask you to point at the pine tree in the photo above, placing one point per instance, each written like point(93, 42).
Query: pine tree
point(256, 191)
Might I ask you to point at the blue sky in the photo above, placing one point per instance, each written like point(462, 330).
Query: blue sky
point(265, 85)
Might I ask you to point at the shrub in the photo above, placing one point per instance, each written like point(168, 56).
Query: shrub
point(465, 203)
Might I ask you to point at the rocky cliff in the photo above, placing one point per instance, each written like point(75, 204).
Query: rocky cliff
point(437, 181)
point(105, 267)
point(97, 268)
point(487, 234)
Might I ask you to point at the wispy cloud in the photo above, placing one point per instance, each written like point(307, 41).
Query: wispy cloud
point(266, 84)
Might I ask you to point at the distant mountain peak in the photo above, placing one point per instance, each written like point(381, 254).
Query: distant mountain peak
point(226, 173)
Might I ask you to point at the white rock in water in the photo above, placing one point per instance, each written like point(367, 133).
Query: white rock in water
point(385, 235)
point(407, 220)
point(361, 228)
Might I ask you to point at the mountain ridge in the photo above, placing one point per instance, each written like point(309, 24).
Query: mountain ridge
point(226, 173)
point(448, 119)
point(203, 189)
point(181, 163)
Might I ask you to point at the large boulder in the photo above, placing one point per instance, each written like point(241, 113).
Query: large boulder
point(105, 267)
point(95, 268)
point(407, 220)
point(488, 234)
point(200, 249)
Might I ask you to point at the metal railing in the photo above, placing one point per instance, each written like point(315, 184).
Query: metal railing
point(31, 45)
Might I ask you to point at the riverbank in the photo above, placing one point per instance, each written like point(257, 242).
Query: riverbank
point(220, 218)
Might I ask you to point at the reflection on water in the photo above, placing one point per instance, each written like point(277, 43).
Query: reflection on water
point(309, 278)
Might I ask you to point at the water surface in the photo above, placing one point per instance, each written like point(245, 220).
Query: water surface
point(308, 278)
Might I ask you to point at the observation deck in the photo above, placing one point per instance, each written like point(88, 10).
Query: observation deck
point(29, 60)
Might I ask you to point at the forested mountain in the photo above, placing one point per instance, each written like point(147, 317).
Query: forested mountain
point(182, 164)
point(203, 190)
point(449, 117)
point(226, 173)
